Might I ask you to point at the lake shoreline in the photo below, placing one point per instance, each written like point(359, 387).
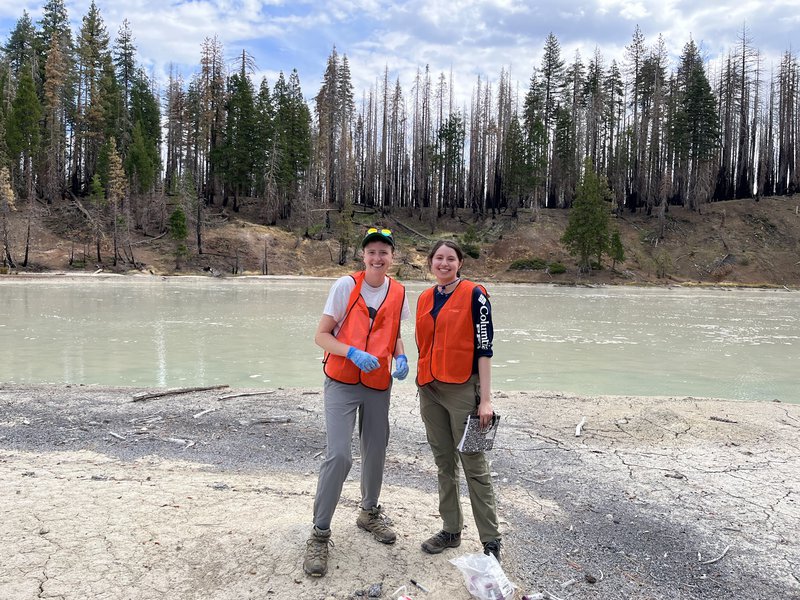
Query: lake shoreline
point(210, 493)
point(668, 283)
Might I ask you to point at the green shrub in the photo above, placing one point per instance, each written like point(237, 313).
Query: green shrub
point(470, 242)
point(556, 268)
point(527, 264)
point(314, 230)
point(471, 250)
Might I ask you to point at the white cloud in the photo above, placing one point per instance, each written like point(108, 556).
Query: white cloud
point(471, 37)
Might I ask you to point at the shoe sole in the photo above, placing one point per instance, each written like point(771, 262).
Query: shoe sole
point(364, 527)
point(314, 574)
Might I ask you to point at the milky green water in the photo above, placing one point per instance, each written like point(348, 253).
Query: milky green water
point(258, 332)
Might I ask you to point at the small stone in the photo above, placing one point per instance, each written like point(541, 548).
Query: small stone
point(375, 590)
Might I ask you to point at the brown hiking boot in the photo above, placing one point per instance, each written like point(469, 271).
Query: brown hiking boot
point(316, 562)
point(375, 522)
point(437, 543)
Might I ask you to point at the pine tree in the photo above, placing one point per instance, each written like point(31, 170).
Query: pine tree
point(55, 142)
point(613, 125)
point(536, 140)
point(696, 128)
point(292, 140)
point(23, 134)
point(59, 78)
point(517, 167)
point(178, 232)
point(125, 63)
point(240, 146)
point(140, 162)
point(116, 193)
point(264, 150)
point(586, 235)
point(20, 49)
point(449, 156)
point(94, 64)
point(551, 91)
point(208, 98)
point(7, 205)
point(635, 56)
point(176, 131)
point(145, 113)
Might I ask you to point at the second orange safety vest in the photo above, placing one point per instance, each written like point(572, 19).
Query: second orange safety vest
point(446, 344)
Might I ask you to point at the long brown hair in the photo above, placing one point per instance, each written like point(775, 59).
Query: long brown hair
point(450, 244)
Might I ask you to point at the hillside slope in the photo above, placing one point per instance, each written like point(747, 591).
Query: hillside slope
point(740, 242)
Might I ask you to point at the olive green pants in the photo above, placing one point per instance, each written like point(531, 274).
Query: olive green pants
point(444, 408)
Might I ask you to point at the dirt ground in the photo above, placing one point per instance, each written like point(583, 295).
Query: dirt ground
point(195, 496)
point(737, 242)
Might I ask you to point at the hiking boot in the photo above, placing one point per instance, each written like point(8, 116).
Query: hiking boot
point(316, 562)
point(375, 522)
point(492, 548)
point(437, 543)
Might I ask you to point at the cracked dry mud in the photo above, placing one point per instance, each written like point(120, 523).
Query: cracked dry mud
point(101, 497)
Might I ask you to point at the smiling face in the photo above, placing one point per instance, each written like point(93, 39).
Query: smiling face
point(445, 264)
point(378, 257)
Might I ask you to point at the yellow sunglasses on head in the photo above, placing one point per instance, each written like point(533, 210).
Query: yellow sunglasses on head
point(381, 231)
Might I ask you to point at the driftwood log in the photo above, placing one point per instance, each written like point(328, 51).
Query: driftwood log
point(172, 392)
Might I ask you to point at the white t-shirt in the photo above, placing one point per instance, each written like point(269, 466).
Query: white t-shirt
point(336, 305)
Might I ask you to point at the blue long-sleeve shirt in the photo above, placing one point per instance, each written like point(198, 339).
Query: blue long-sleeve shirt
point(481, 319)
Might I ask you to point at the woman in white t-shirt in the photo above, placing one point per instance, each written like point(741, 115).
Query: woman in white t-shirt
point(360, 333)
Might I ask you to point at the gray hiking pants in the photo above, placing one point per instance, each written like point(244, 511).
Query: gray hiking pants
point(342, 402)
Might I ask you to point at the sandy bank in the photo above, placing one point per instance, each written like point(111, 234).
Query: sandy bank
point(102, 497)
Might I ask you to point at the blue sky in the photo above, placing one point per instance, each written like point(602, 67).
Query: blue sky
point(471, 37)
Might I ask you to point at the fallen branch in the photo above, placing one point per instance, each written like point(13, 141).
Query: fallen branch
point(116, 435)
point(719, 558)
point(80, 207)
point(579, 427)
point(417, 233)
point(148, 420)
point(542, 596)
point(149, 395)
point(268, 420)
point(229, 396)
point(721, 419)
point(152, 239)
point(205, 412)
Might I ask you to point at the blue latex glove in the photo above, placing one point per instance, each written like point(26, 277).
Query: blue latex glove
point(363, 360)
point(400, 367)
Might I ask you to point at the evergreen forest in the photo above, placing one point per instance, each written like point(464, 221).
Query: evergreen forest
point(81, 121)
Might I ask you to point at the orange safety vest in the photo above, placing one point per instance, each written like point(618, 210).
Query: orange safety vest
point(446, 344)
point(378, 338)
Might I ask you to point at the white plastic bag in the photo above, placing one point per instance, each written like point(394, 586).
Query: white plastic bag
point(484, 577)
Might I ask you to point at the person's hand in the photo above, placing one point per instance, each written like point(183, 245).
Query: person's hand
point(363, 360)
point(400, 367)
point(485, 412)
